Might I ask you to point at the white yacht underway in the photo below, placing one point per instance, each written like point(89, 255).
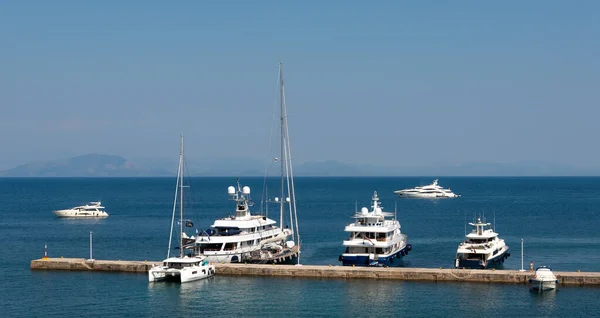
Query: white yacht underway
point(429, 191)
point(90, 210)
point(243, 237)
point(543, 279)
point(374, 240)
point(182, 268)
point(482, 248)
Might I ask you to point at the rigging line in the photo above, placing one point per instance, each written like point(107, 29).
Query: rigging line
point(174, 207)
point(263, 197)
point(186, 171)
point(293, 199)
point(293, 219)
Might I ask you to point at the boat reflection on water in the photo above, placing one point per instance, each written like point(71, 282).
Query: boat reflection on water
point(83, 221)
point(373, 294)
point(544, 301)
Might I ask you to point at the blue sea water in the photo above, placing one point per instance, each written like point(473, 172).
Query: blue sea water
point(558, 219)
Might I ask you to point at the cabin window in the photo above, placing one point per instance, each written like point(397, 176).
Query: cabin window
point(229, 246)
point(212, 246)
point(357, 250)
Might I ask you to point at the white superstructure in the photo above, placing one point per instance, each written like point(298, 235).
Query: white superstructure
point(374, 240)
point(543, 279)
point(482, 248)
point(184, 268)
point(429, 191)
point(243, 237)
point(90, 210)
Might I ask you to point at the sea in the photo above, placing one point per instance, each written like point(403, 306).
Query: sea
point(555, 219)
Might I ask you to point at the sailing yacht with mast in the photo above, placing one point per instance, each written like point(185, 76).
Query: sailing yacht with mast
point(246, 238)
point(182, 268)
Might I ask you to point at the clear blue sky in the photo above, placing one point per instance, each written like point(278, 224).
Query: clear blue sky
point(377, 82)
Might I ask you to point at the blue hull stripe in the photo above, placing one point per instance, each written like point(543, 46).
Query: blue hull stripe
point(363, 260)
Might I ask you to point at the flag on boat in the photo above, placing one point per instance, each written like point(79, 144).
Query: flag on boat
point(189, 223)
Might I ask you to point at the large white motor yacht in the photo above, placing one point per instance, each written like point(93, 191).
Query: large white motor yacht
point(183, 268)
point(244, 237)
point(482, 248)
point(90, 210)
point(374, 240)
point(429, 191)
point(543, 279)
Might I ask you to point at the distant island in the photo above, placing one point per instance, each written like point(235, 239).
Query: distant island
point(98, 165)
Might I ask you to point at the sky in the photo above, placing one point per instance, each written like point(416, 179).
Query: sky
point(394, 83)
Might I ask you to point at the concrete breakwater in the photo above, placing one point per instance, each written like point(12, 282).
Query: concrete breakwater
point(314, 271)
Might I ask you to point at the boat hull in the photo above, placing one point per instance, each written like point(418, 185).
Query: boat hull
point(287, 256)
point(542, 285)
point(496, 261)
point(189, 274)
point(79, 214)
point(390, 260)
point(426, 195)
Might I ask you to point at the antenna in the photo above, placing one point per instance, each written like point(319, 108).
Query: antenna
point(522, 270)
point(495, 221)
point(395, 210)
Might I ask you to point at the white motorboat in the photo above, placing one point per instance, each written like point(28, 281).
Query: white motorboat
point(90, 210)
point(429, 191)
point(246, 238)
point(184, 268)
point(543, 279)
point(374, 240)
point(482, 248)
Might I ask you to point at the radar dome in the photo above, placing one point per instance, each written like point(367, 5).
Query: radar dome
point(287, 199)
point(231, 190)
point(378, 210)
point(364, 210)
point(246, 190)
point(276, 199)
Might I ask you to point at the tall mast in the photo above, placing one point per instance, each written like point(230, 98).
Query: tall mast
point(282, 154)
point(177, 186)
point(181, 200)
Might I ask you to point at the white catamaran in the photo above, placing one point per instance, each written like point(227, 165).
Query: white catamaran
point(244, 237)
point(182, 268)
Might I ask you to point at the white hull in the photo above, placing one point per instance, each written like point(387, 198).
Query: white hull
point(542, 285)
point(426, 195)
point(80, 214)
point(184, 275)
point(253, 254)
point(222, 258)
point(543, 279)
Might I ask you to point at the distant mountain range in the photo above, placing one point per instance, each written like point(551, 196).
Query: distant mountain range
point(91, 165)
point(97, 165)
